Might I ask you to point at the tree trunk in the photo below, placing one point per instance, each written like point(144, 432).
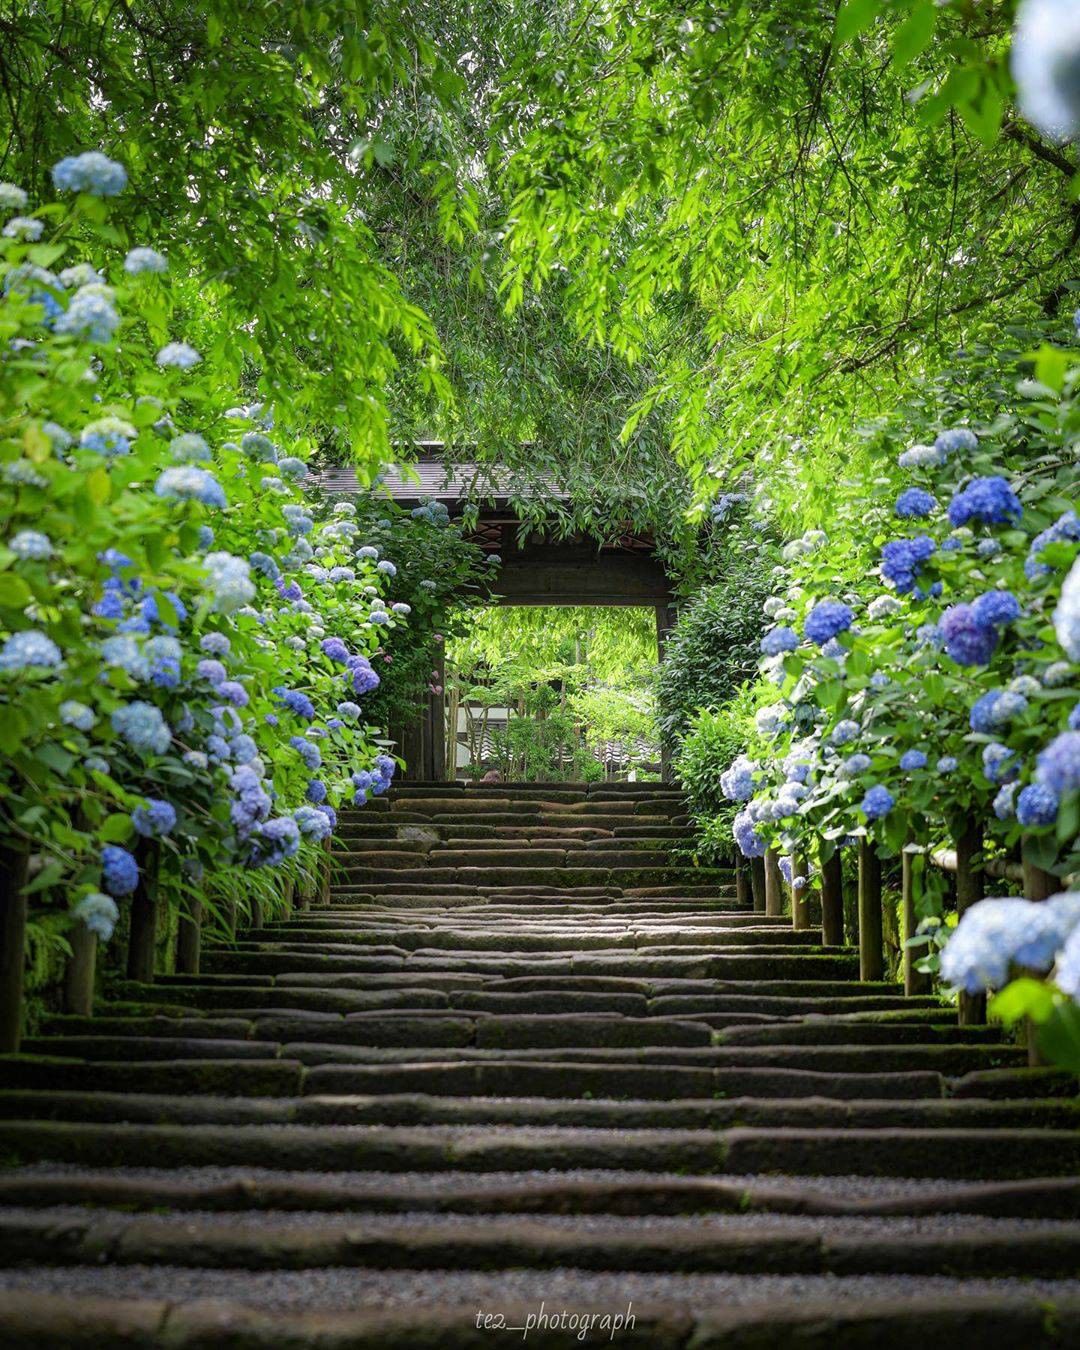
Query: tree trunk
point(832, 900)
point(800, 896)
point(871, 945)
point(743, 890)
point(79, 972)
point(757, 884)
point(774, 884)
point(13, 867)
point(970, 884)
point(915, 982)
point(142, 937)
point(189, 939)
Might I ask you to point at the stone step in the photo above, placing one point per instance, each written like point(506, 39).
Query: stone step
point(957, 1153)
point(419, 1109)
point(632, 877)
point(585, 1192)
point(239, 1078)
point(507, 938)
point(405, 1311)
point(726, 967)
point(724, 1243)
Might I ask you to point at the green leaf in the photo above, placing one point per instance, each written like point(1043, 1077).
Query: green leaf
point(14, 592)
point(1059, 1037)
point(914, 34)
point(855, 17)
point(1022, 998)
point(115, 829)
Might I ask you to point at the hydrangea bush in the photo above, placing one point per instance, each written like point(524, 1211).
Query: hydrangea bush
point(921, 671)
point(186, 636)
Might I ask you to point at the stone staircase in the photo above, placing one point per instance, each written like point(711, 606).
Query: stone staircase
point(532, 1067)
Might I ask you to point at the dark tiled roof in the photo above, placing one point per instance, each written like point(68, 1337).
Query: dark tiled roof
point(429, 476)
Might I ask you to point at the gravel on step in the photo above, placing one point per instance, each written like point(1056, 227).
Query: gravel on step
point(376, 1224)
point(343, 1288)
point(851, 1187)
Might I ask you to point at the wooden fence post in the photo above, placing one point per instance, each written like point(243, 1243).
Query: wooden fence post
point(13, 870)
point(743, 896)
point(325, 865)
point(800, 895)
point(970, 889)
point(915, 981)
point(142, 935)
point(79, 972)
point(774, 884)
point(1038, 885)
point(871, 936)
point(832, 900)
point(757, 883)
point(189, 939)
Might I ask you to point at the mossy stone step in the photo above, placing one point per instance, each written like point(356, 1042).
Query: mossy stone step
point(956, 1153)
point(240, 1078)
point(420, 1109)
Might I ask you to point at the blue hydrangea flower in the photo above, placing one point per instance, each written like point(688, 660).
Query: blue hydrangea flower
point(293, 468)
point(307, 751)
point(265, 566)
point(77, 715)
point(361, 675)
point(827, 620)
point(316, 791)
point(853, 766)
point(189, 448)
point(990, 501)
point(335, 649)
point(1066, 529)
point(178, 355)
point(155, 819)
point(90, 172)
point(163, 654)
point(98, 913)
point(737, 780)
point(12, 197)
point(119, 870)
point(31, 546)
point(25, 228)
point(29, 649)
point(1044, 66)
point(780, 639)
point(259, 447)
point(844, 732)
point(215, 644)
point(914, 503)
point(313, 824)
point(750, 843)
point(142, 727)
point(186, 482)
point(902, 560)
point(955, 441)
point(274, 841)
point(1067, 614)
point(1005, 801)
point(967, 641)
point(386, 567)
point(946, 764)
point(878, 802)
point(232, 691)
point(911, 760)
point(995, 710)
point(1037, 805)
point(999, 763)
point(1058, 766)
point(296, 702)
point(140, 260)
point(90, 315)
point(229, 582)
point(349, 711)
point(996, 608)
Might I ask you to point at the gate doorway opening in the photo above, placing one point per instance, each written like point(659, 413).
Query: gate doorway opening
point(551, 693)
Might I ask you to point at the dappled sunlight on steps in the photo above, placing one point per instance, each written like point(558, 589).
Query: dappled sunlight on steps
point(531, 1052)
